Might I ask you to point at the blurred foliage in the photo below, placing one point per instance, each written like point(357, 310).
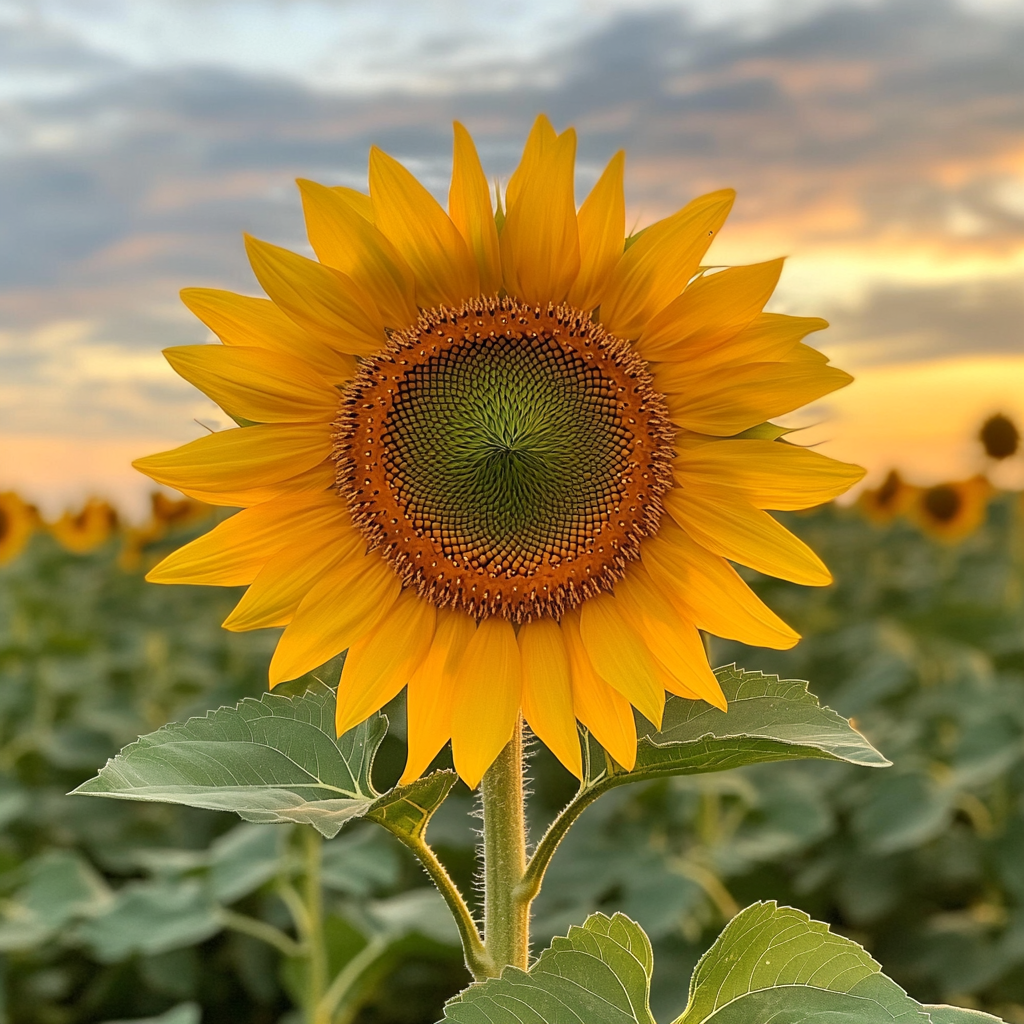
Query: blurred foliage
point(112, 911)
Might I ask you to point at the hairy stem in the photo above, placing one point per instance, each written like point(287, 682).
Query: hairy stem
point(506, 905)
point(477, 959)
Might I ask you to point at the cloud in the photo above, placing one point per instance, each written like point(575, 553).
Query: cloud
point(880, 142)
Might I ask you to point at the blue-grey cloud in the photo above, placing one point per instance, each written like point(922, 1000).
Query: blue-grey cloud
point(120, 183)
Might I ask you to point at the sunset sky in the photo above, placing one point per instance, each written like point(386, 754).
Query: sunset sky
point(879, 145)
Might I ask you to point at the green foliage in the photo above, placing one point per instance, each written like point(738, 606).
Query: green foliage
point(269, 760)
point(921, 863)
point(770, 963)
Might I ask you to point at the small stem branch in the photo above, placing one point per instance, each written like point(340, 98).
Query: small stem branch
point(257, 929)
point(538, 865)
point(711, 884)
point(316, 981)
point(506, 905)
point(347, 977)
point(477, 959)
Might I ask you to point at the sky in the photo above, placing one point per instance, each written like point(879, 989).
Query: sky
point(878, 144)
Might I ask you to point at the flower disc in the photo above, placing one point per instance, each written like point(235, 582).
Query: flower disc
point(507, 459)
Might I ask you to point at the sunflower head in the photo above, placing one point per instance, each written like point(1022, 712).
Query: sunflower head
point(892, 498)
point(950, 512)
point(87, 529)
point(504, 458)
point(18, 521)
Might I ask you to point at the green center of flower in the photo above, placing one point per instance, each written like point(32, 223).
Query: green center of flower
point(507, 453)
point(508, 460)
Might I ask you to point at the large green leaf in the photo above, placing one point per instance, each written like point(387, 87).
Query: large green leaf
point(769, 719)
point(152, 917)
point(275, 759)
point(960, 1015)
point(770, 963)
point(775, 963)
point(597, 974)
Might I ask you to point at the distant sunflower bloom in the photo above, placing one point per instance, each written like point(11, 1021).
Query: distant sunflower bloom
point(999, 437)
point(18, 521)
point(952, 511)
point(892, 498)
point(504, 459)
point(87, 529)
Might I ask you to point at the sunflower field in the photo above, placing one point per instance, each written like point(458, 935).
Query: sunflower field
point(116, 911)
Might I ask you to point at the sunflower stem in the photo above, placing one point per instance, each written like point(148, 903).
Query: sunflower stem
point(506, 905)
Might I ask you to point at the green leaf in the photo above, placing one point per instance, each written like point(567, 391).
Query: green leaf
point(775, 963)
point(942, 1014)
point(269, 760)
point(769, 719)
point(152, 917)
point(597, 974)
point(406, 810)
point(275, 759)
point(60, 887)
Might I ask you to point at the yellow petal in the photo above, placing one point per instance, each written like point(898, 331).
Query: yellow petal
point(547, 691)
point(487, 698)
point(542, 136)
point(540, 243)
point(600, 707)
point(768, 338)
point(769, 474)
point(657, 266)
point(431, 694)
point(240, 457)
point(380, 664)
point(348, 601)
point(469, 206)
point(234, 551)
point(673, 640)
point(726, 401)
point(344, 239)
point(423, 233)
point(726, 524)
point(602, 226)
point(711, 311)
point(317, 480)
point(326, 303)
point(620, 657)
point(255, 383)
point(709, 591)
point(359, 201)
point(282, 584)
point(242, 320)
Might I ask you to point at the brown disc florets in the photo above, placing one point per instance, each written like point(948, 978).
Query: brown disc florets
point(506, 459)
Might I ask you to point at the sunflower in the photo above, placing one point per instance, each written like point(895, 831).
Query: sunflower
point(18, 521)
point(87, 529)
point(503, 458)
point(952, 511)
point(892, 498)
